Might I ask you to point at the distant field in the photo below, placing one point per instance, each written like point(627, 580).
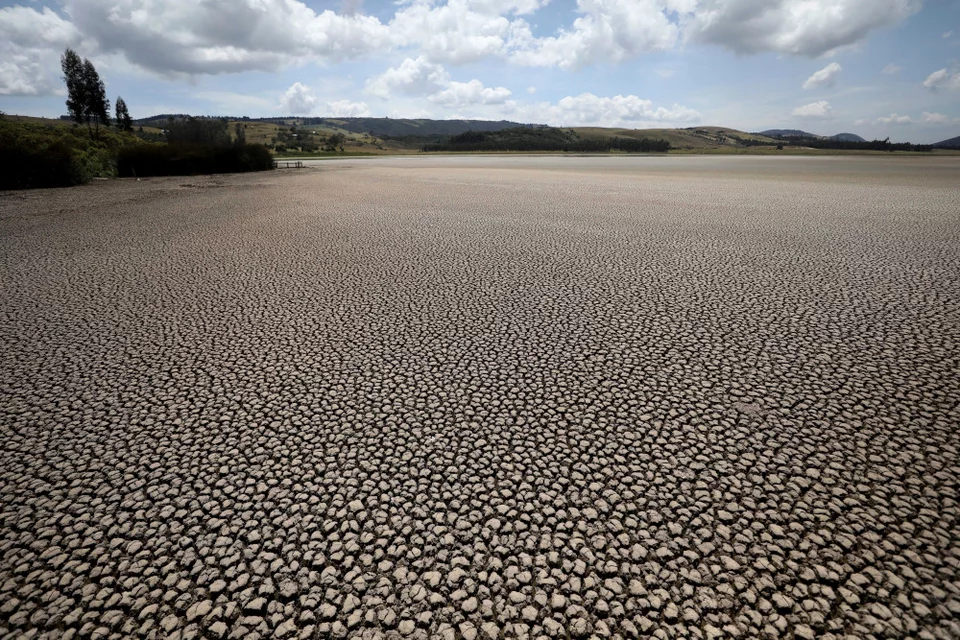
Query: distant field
point(681, 139)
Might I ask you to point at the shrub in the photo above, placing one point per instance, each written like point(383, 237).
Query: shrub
point(36, 156)
point(176, 160)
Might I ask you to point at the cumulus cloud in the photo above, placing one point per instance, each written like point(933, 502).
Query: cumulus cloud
point(814, 111)
point(414, 76)
point(943, 79)
point(222, 36)
point(347, 109)
point(892, 69)
point(925, 118)
point(172, 37)
point(456, 32)
point(826, 77)
point(894, 118)
point(934, 118)
point(518, 7)
point(589, 109)
point(420, 77)
point(299, 100)
point(796, 27)
point(607, 30)
point(30, 45)
point(461, 94)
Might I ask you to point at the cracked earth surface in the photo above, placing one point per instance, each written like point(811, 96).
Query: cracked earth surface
point(485, 398)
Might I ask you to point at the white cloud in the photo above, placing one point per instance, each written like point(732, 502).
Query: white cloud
point(934, 118)
point(589, 109)
point(531, 90)
point(796, 27)
point(190, 37)
point(299, 100)
point(30, 45)
point(815, 110)
point(519, 7)
point(925, 118)
point(943, 79)
point(825, 77)
point(420, 77)
point(454, 32)
point(607, 30)
point(947, 35)
point(894, 118)
point(413, 77)
point(859, 122)
point(347, 109)
point(461, 94)
point(892, 69)
point(223, 36)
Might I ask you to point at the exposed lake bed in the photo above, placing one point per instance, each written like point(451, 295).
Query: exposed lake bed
point(492, 396)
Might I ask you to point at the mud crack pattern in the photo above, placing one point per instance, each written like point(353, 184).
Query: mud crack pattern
point(485, 398)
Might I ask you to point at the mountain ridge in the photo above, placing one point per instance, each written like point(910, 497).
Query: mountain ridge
point(396, 127)
point(949, 143)
point(798, 133)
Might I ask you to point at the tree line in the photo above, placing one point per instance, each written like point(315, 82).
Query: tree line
point(195, 146)
point(856, 145)
point(543, 138)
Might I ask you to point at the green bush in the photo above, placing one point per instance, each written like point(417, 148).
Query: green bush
point(36, 155)
point(177, 160)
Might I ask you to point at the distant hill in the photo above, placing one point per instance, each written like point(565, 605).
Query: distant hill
point(847, 137)
point(395, 127)
point(408, 127)
point(797, 133)
point(158, 120)
point(952, 143)
point(788, 133)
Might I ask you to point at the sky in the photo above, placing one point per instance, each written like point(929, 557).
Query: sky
point(877, 68)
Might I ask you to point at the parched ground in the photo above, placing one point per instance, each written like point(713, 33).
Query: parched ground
point(485, 397)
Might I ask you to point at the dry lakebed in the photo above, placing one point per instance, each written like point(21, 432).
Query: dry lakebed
point(485, 397)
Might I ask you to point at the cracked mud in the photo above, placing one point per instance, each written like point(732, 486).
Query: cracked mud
point(485, 398)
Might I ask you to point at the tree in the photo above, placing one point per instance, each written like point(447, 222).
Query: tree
point(99, 106)
point(334, 141)
point(72, 67)
point(124, 121)
point(203, 132)
point(86, 93)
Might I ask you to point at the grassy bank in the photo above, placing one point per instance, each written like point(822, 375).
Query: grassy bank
point(41, 155)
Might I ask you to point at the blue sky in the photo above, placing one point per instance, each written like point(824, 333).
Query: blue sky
point(874, 67)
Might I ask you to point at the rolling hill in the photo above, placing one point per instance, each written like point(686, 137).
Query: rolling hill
point(394, 127)
point(952, 143)
point(788, 133)
point(684, 139)
point(376, 136)
point(848, 137)
point(797, 133)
